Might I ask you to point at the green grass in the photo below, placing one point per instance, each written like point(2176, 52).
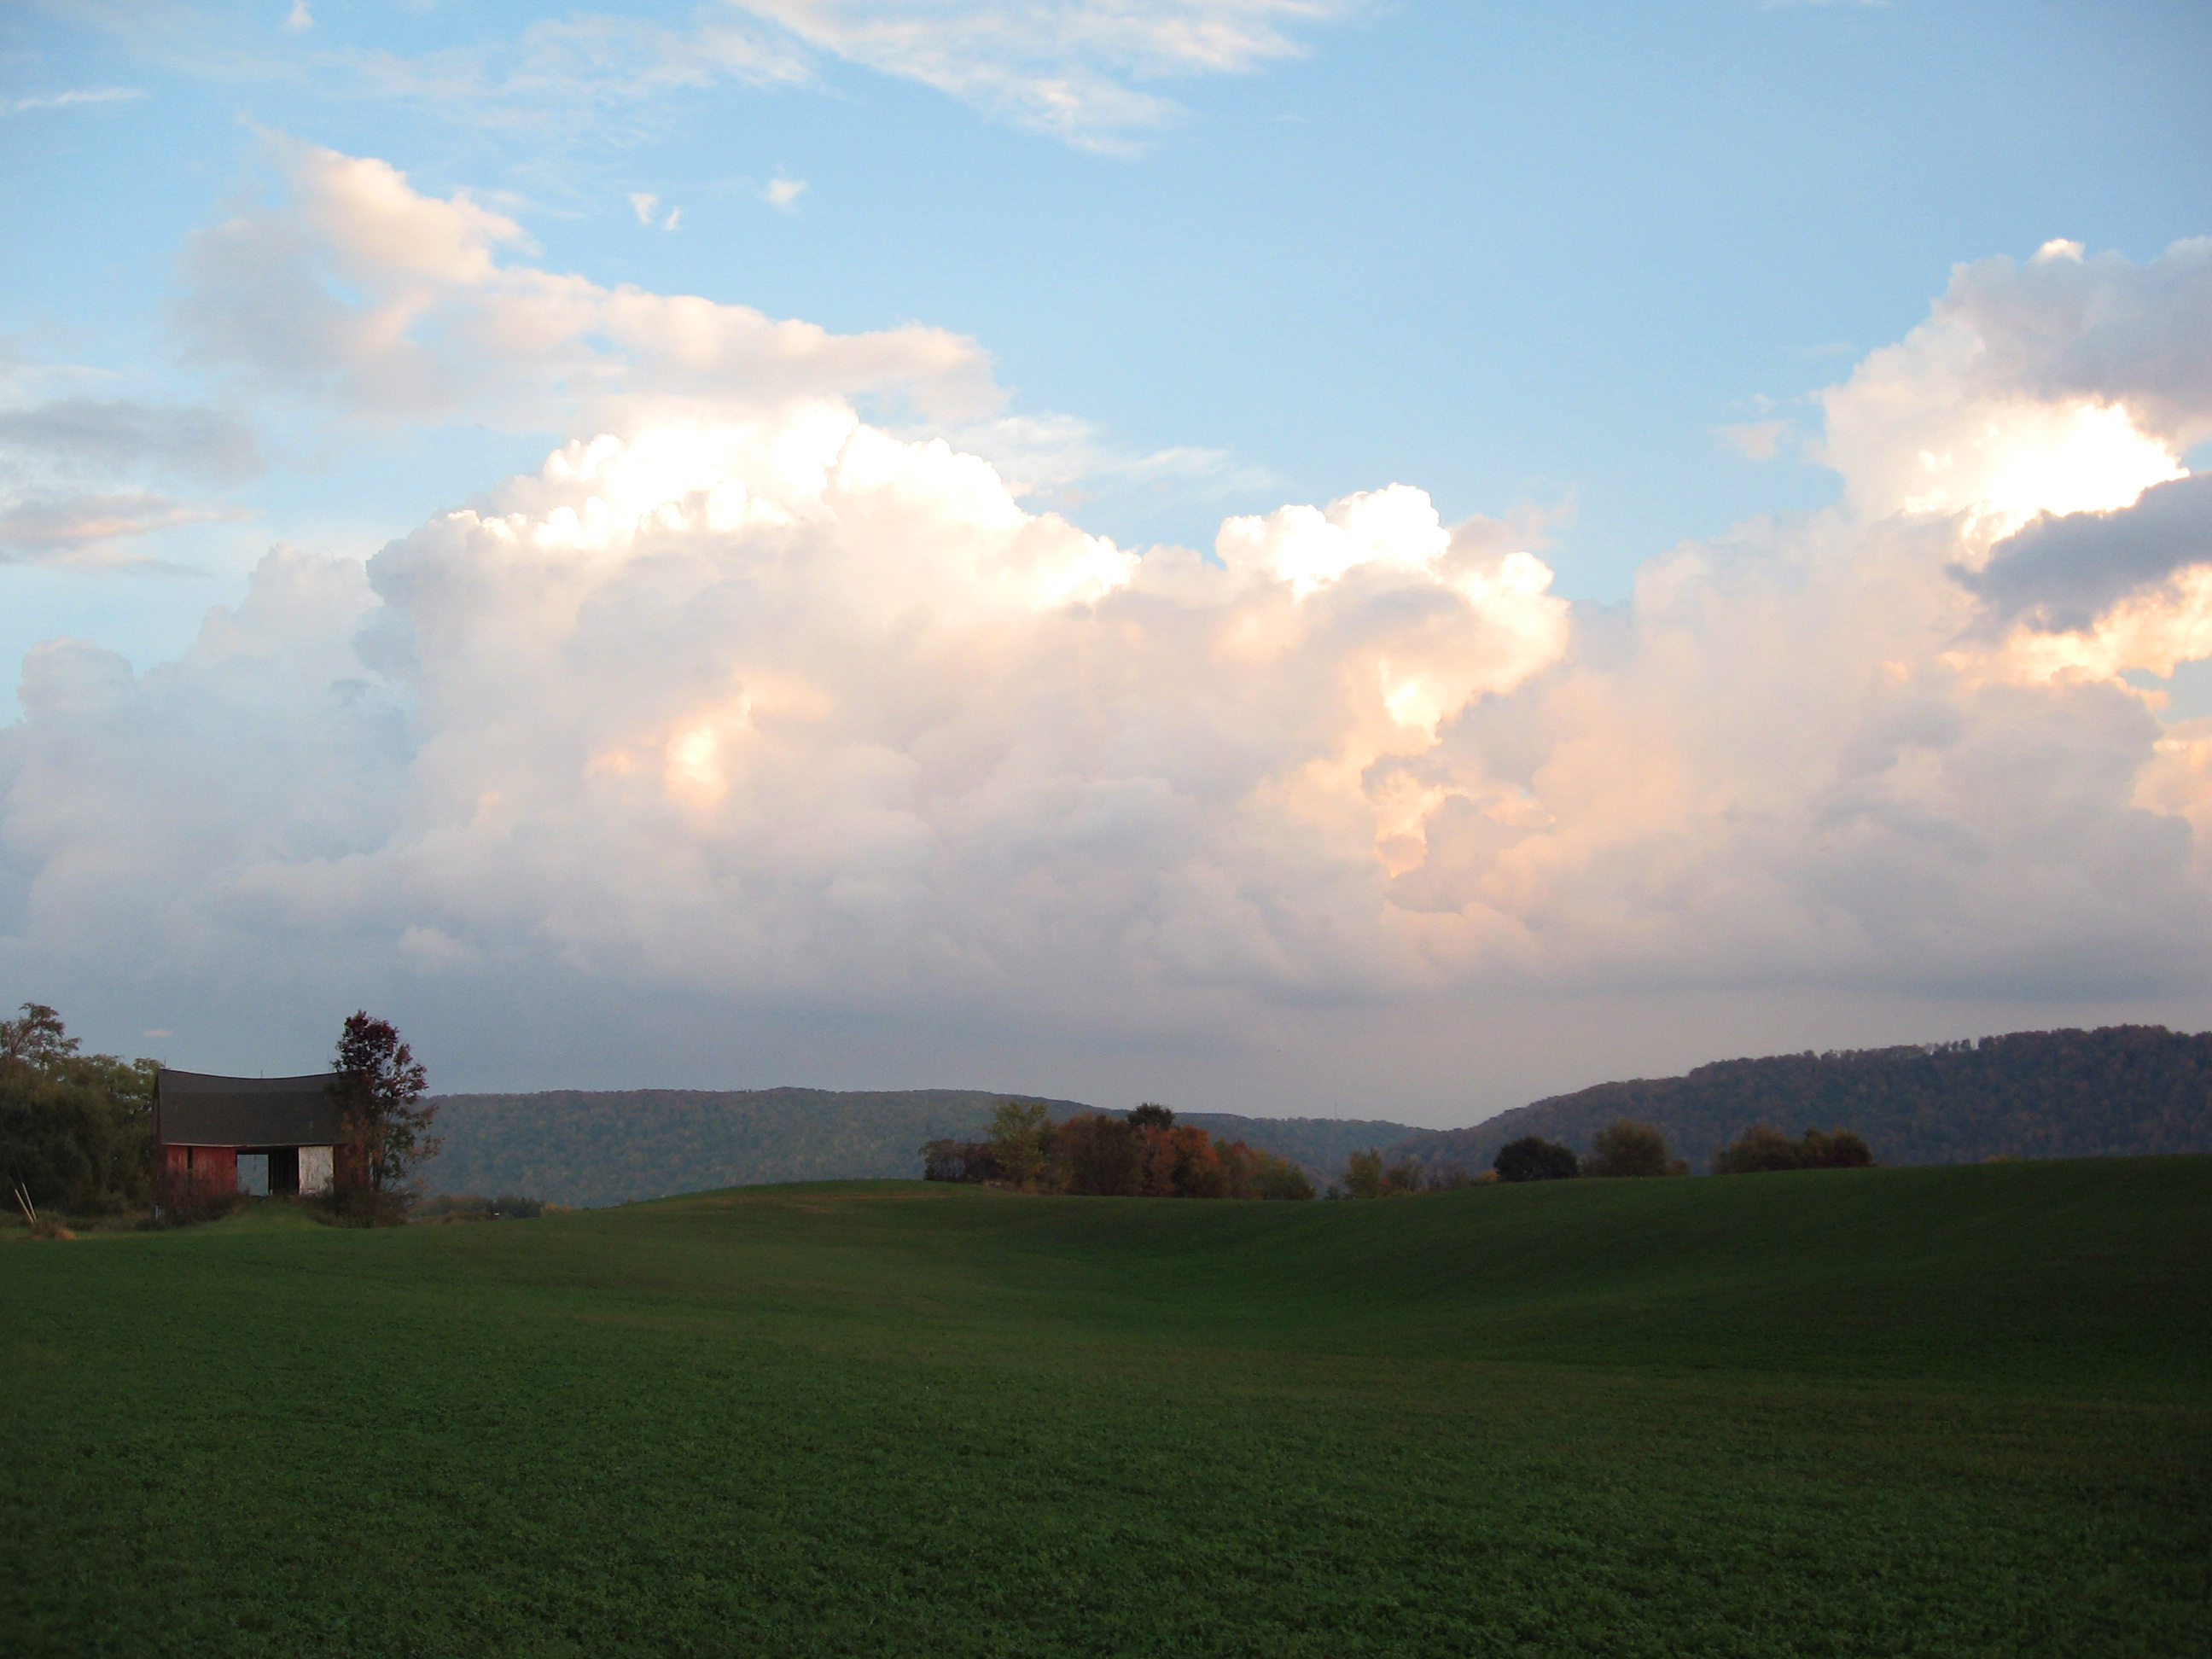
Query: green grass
point(1935, 1411)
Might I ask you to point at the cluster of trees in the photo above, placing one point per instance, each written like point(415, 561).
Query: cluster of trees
point(1761, 1148)
point(1367, 1176)
point(76, 1129)
point(1627, 1148)
point(1147, 1154)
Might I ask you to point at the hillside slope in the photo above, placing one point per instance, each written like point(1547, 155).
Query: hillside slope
point(2119, 1091)
point(597, 1147)
point(1924, 1412)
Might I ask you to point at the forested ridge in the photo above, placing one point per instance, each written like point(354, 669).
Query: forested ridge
point(2126, 1089)
point(2117, 1091)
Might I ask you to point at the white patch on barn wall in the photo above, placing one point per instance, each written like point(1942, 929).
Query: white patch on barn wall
point(253, 1174)
point(314, 1169)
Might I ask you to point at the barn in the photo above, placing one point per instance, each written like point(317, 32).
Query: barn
point(274, 1134)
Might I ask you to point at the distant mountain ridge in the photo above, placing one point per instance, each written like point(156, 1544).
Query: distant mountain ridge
point(591, 1147)
point(2114, 1092)
point(2117, 1091)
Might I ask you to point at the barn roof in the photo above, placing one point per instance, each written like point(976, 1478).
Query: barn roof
point(191, 1109)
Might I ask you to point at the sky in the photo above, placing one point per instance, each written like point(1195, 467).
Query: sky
point(1298, 557)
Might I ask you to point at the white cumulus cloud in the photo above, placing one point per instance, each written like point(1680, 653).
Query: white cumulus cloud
point(746, 705)
point(379, 301)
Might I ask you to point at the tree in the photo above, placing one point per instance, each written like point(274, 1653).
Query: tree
point(1099, 1157)
point(1020, 1132)
point(76, 1129)
point(380, 1095)
point(1534, 1158)
point(1363, 1173)
point(1630, 1148)
point(36, 1039)
point(1278, 1177)
point(1402, 1177)
point(974, 1161)
point(1151, 1116)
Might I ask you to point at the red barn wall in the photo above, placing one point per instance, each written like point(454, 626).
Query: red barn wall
point(215, 1167)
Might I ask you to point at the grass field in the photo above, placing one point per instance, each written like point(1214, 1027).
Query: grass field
point(1947, 1412)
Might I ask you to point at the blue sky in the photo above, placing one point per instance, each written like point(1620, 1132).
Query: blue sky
point(1527, 257)
point(1580, 268)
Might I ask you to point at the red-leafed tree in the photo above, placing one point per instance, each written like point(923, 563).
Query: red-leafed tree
point(380, 1088)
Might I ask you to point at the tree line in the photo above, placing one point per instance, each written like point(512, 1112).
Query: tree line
point(1625, 1149)
point(1147, 1154)
point(2119, 1091)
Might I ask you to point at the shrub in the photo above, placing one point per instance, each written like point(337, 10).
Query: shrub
point(1531, 1157)
point(180, 1200)
point(1630, 1148)
point(464, 1207)
point(357, 1204)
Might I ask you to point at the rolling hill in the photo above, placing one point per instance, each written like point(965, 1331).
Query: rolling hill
point(2117, 1091)
point(1918, 1412)
point(594, 1148)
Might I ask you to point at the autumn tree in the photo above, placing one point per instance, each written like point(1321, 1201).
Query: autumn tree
point(1630, 1148)
point(380, 1087)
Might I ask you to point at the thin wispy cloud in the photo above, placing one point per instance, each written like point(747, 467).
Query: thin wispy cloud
point(1090, 72)
point(784, 193)
point(75, 97)
point(1070, 68)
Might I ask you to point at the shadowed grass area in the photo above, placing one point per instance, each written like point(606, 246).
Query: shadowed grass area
point(1931, 1411)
